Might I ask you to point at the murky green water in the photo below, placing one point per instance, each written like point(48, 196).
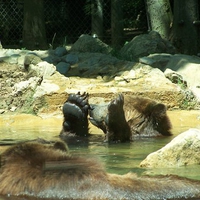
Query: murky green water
point(124, 158)
point(118, 158)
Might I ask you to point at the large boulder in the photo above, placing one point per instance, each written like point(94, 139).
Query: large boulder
point(186, 66)
point(181, 151)
point(146, 44)
point(87, 43)
point(95, 64)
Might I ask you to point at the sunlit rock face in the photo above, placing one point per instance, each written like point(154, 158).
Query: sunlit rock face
point(144, 45)
point(185, 66)
point(182, 150)
point(44, 79)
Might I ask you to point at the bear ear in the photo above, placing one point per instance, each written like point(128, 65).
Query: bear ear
point(161, 121)
point(159, 110)
point(60, 146)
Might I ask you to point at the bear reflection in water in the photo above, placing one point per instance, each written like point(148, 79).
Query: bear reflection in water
point(40, 170)
point(123, 119)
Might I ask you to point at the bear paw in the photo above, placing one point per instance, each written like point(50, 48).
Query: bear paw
point(75, 111)
point(118, 129)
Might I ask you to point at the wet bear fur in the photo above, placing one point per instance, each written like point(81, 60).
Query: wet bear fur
point(49, 171)
point(123, 119)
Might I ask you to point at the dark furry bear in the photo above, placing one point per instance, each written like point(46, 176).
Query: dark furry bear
point(49, 171)
point(123, 119)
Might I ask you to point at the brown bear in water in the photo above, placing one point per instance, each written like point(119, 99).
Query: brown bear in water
point(48, 171)
point(123, 119)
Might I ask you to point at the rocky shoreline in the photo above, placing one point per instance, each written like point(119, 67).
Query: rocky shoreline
point(39, 82)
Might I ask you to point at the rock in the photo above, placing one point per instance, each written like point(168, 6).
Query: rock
point(176, 78)
point(182, 150)
point(87, 43)
point(46, 87)
point(146, 44)
point(31, 58)
point(13, 59)
point(185, 67)
point(95, 64)
point(146, 60)
point(43, 69)
point(10, 55)
point(60, 51)
point(196, 92)
point(52, 59)
point(29, 84)
point(101, 75)
point(127, 76)
point(71, 59)
point(13, 108)
point(157, 60)
point(63, 67)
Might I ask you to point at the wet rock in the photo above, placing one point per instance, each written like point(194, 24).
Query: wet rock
point(182, 150)
point(146, 44)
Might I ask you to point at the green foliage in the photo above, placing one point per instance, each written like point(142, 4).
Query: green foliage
point(189, 102)
point(52, 41)
point(65, 42)
point(181, 84)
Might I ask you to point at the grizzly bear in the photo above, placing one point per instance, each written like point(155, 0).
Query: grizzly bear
point(123, 119)
point(48, 171)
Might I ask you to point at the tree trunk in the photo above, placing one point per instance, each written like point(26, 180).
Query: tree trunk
point(186, 26)
point(116, 23)
point(34, 34)
point(160, 16)
point(97, 18)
